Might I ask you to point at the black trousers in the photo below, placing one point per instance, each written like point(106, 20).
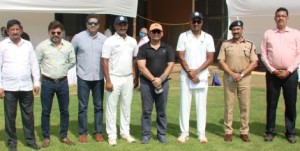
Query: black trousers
point(149, 97)
point(25, 99)
point(289, 88)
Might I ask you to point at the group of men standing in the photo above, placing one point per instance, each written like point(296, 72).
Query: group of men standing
point(114, 58)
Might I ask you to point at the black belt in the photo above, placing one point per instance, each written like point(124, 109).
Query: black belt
point(54, 80)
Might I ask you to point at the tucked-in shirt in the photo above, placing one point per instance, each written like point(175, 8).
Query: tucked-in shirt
point(55, 62)
point(195, 50)
point(281, 50)
point(156, 60)
point(237, 55)
point(120, 53)
point(18, 64)
point(88, 50)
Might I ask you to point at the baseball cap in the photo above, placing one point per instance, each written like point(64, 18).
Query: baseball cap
point(196, 15)
point(155, 26)
point(121, 19)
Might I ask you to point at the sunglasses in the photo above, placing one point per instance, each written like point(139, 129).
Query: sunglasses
point(58, 33)
point(196, 21)
point(156, 31)
point(92, 23)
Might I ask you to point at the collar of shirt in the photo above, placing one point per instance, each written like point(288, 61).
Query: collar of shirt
point(119, 37)
point(92, 35)
point(19, 44)
point(162, 45)
point(287, 29)
point(50, 43)
point(242, 41)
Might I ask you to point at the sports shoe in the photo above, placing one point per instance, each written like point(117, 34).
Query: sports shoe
point(112, 142)
point(202, 139)
point(162, 139)
point(145, 140)
point(128, 138)
point(182, 138)
point(82, 139)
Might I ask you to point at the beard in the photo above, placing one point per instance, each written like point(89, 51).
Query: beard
point(55, 39)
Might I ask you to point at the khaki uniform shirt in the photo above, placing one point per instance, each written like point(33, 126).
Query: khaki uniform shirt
point(237, 55)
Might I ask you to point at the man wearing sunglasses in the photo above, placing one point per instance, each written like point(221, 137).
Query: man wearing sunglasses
point(195, 53)
point(155, 61)
point(119, 52)
point(237, 58)
point(88, 49)
point(55, 56)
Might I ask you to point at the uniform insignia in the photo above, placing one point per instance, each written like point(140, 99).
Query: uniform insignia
point(121, 18)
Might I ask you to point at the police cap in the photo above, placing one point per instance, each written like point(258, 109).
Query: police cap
point(236, 23)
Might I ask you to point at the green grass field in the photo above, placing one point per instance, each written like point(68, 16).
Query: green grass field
point(214, 129)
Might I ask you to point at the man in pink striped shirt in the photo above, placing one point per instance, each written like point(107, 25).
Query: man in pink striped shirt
point(281, 56)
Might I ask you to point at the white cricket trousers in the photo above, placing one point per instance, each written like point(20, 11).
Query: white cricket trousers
point(123, 90)
point(200, 96)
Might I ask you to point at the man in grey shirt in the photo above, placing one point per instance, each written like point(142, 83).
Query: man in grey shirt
point(88, 49)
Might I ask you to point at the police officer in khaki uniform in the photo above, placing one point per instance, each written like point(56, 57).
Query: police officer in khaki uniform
point(238, 58)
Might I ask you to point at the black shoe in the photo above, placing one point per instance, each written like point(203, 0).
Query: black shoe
point(34, 146)
point(269, 137)
point(291, 139)
point(162, 139)
point(12, 148)
point(145, 140)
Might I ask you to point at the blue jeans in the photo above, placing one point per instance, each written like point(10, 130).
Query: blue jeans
point(149, 97)
point(61, 89)
point(83, 92)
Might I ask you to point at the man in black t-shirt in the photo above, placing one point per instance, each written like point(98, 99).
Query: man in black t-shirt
point(155, 61)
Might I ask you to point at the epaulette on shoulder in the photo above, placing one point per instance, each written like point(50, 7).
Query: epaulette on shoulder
point(249, 41)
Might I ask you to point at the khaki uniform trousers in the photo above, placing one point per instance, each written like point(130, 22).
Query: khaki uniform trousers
point(242, 90)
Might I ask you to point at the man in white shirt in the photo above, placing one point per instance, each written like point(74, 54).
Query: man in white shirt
point(18, 64)
point(118, 53)
point(195, 52)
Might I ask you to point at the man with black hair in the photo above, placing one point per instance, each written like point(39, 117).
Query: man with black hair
point(281, 56)
point(55, 56)
point(18, 69)
point(88, 49)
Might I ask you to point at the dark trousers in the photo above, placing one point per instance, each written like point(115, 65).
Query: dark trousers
point(61, 89)
point(25, 99)
point(149, 97)
point(83, 93)
point(289, 87)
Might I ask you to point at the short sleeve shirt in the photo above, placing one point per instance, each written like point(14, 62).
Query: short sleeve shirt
point(195, 49)
point(120, 53)
point(156, 60)
point(237, 55)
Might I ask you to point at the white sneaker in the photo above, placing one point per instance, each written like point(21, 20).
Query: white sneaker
point(112, 142)
point(128, 138)
point(203, 139)
point(182, 138)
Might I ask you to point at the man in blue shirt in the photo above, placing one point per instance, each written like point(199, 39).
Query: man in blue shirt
point(88, 49)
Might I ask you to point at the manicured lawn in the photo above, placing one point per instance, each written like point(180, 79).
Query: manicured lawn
point(214, 130)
